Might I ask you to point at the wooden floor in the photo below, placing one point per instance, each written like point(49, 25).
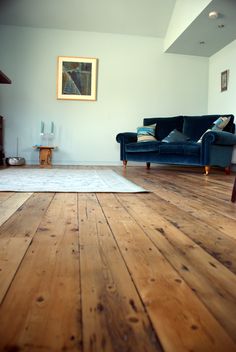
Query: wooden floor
point(121, 272)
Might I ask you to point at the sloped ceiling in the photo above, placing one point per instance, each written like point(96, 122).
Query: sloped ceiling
point(204, 36)
point(130, 17)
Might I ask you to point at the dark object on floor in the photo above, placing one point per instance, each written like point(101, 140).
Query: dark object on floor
point(233, 198)
point(4, 79)
point(1, 141)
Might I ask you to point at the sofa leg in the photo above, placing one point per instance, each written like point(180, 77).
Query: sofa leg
point(207, 169)
point(148, 165)
point(227, 170)
point(124, 163)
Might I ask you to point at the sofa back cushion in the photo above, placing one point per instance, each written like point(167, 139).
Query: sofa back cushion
point(164, 125)
point(195, 126)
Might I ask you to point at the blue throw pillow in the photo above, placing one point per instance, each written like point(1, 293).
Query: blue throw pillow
point(175, 136)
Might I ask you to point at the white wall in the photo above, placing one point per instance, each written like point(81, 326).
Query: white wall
point(135, 80)
point(223, 102)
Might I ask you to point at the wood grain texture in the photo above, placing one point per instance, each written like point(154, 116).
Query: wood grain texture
point(42, 311)
point(16, 235)
point(113, 316)
point(204, 274)
point(10, 204)
point(162, 288)
point(152, 272)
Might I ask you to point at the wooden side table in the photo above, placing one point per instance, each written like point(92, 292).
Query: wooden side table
point(45, 155)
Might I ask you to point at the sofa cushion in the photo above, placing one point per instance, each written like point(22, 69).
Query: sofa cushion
point(151, 146)
point(192, 149)
point(188, 148)
point(164, 125)
point(175, 136)
point(146, 133)
point(220, 123)
point(230, 127)
point(195, 126)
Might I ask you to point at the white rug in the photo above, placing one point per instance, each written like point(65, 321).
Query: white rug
point(64, 180)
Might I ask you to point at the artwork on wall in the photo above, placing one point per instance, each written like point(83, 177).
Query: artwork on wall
point(77, 78)
point(224, 80)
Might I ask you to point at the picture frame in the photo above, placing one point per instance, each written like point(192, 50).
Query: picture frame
point(77, 78)
point(224, 80)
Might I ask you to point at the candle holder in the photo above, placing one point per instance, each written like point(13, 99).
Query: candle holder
point(47, 139)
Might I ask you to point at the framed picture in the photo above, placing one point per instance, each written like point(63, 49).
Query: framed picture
point(76, 78)
point(224, 80)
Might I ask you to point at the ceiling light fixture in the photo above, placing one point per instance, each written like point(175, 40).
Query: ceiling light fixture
point(213, 15)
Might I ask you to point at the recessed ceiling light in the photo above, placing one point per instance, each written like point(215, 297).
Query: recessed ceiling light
point(213, 15)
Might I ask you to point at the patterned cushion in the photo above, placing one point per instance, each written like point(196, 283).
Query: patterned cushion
point(175, 136)
point(220, 123)
point(146, 133)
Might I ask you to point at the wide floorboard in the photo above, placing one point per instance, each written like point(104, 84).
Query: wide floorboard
point(112, 272)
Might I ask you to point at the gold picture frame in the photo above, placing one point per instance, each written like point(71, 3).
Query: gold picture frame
point(224, 80)
point(77, 78)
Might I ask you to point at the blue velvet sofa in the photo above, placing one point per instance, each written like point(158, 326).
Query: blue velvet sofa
point(215, 148)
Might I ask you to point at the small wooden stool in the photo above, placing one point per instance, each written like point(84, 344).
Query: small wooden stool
point(45, 155)
point(233, 198)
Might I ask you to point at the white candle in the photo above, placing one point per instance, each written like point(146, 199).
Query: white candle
point(52, 127)
point(42, 127)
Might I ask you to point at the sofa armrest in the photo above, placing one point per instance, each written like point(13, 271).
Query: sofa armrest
point(125, 138)
point(219, 138)
point(217, 148)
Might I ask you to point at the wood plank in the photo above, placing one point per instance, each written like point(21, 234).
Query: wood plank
point(216, 243)
point(113, 316)
point(182, 324)
point(191, 203)
point(195, 186)
point(11, 204)
point(41, 311)
point(214, 284)
point(16, 235)
point(5, 195)
point(201, 192)
point(195, 215)
point(222, 181)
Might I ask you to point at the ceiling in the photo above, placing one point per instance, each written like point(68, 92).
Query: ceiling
point(204, 37)
point(130, 17)
point(134, 17)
